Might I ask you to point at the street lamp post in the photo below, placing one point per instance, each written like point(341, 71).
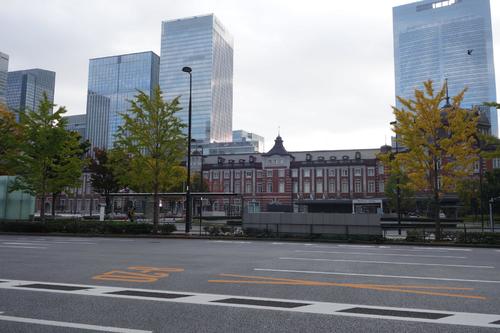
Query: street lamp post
point(188, 180)
point(398, 190)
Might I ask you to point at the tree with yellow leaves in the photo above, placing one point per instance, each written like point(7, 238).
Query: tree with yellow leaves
point(438, 143)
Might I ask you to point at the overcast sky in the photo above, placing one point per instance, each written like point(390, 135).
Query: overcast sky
point(322, 71)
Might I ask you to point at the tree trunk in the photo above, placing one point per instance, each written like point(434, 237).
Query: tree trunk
point(437, 207)
point(42, 208)
point(156, 212)
point(107, 210)
point(54, 196)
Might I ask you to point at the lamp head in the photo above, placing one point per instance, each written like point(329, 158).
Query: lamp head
point(186, 69)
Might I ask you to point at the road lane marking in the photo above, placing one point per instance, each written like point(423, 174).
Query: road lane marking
point(23, 243)
point(387, 262)
point(408, 289)
point(440, 249)
point(49, 242)
point(375, 275)
point(70, 325)
point(314, 307)
point(23, 247)
point(230, 242)
point(288, 243)
point(138, 274)
point(383, 254)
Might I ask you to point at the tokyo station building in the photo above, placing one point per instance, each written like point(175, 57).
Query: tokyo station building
point(314, 181)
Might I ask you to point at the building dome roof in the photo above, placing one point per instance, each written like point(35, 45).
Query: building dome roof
point(278, 148)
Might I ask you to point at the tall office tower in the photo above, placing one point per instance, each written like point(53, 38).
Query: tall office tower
point(25, 88)
point(202, 43)
point(446, 39)
point(113, 81)
point(244, 136)
point(97, 121)
point(77, 123)
point(4, 68)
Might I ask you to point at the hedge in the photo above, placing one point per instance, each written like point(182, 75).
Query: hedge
point(85, 227)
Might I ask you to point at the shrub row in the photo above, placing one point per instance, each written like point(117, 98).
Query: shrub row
point(478, 237)
point(85, 227)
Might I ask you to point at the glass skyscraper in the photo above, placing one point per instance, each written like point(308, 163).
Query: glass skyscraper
point(25, 88)
point(77, 123)
point(112, 82)
point(4, 68)
point(202, 43)
point(446, 39)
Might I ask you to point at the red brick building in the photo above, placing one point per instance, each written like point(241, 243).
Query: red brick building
point(327, 180)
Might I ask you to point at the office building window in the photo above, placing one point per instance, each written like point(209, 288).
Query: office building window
point(371, 186)
point(307, 186)
point(319, 186)
point(331, 186)
point(357, 186)
point(496, 163)
point(345, 186)
point(281, 186)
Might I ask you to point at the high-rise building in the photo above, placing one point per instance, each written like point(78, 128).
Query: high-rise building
point(113, 81)
point(4, 68)
point(97, 121)
point(77, 123)
point(202, 43)
point(25, 88)
point(255, 139)
point(446, 39)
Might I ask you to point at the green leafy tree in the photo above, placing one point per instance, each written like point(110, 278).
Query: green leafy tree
point(49, 155)
point(439, 143)
point(68, 165)
point(198, 184)
point(10, 133)
point(152, 139)
point(406, 194)
point(102, 177)
point(468, 191)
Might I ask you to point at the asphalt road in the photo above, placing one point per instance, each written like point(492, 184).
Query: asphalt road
point(68, 284)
